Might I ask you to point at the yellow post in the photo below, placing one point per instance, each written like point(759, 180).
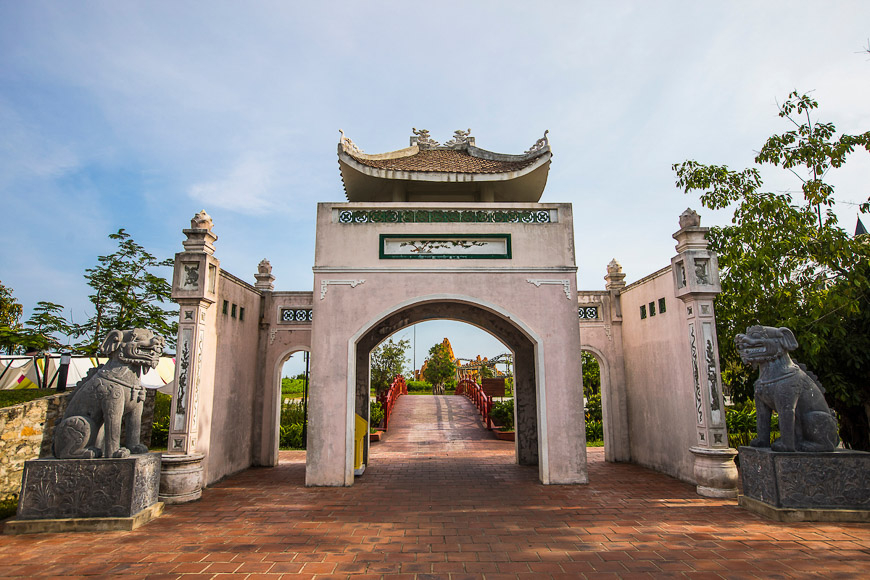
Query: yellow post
point(361, 431)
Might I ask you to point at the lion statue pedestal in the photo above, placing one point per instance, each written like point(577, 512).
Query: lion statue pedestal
point(93, 483)
point(801, 476)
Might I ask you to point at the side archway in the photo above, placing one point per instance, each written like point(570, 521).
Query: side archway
point(267, 440)
point(613, 409)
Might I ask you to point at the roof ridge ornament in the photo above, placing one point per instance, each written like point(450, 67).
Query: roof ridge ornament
point(348, 145)
point(460, 137)
point(540, 144)
point(422, 137)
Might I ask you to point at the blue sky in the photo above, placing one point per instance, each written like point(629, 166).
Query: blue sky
point(139, 114)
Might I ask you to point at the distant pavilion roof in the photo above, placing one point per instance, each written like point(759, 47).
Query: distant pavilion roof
point(456, 171)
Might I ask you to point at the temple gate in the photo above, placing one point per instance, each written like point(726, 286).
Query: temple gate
point(449, 232)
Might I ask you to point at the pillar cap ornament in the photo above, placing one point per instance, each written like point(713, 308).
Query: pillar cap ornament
point(201, 221)
point(690, 218)
point(200, 237)
point(691, 235)
point(264, 276)
point(615, 277)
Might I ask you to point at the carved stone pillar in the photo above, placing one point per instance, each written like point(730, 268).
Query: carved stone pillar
point(614, 399)
point(194, 288)
point(696, 278)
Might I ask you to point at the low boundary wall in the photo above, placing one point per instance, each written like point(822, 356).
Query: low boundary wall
point(26, 431)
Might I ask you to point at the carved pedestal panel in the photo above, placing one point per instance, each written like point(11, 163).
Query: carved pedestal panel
point(799, 486)
point(87, 494)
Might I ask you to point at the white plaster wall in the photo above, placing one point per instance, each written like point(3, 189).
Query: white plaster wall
point(350, 251)
point(659, 380)
point(225, 432)
point(538, 246)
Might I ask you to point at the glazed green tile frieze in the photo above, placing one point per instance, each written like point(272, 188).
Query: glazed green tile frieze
point(372, 216)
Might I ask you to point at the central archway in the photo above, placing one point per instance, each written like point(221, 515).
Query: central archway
point(526, 346)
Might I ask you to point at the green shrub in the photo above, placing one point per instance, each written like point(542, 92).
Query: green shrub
point(8, 507)
point(594, 420)
point(18, 396)
point(502, 414)
point(160, 425)
point(291, 436)
point(292, 423)
point(159, 434)
point(735, 440)
point(741, 421)
point(162, 405)
point(419, 387)
point(292, 412)
point(593, 408)
point(376, 414)
point(594, 431)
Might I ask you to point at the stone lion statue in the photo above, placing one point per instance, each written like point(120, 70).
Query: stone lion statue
point(91, 425)
point(805, 420)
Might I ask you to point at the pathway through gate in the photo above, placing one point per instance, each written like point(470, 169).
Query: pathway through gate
point(439, 443)
point(445, 501)
point(449, 422)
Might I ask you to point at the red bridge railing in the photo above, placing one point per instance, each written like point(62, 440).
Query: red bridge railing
point(475, 393)
point(389, 397)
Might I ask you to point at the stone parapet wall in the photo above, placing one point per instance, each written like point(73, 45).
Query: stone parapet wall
point(26, 431)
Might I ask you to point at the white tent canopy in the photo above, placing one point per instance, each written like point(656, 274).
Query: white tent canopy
point(26, 372)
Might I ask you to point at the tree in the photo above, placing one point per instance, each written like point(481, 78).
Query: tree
point(591, 374)
point(127, 294)
point(387, 361)
point(784, 261)
point(38, 333)
point(10, 318)
point(440, 367)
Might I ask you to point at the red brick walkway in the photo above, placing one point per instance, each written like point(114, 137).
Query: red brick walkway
point(441, 499)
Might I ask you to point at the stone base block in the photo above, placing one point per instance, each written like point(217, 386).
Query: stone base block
point(63, 489)
point(715, 472)
point(809, 486)
point(181, 478)
point(786, 515)
point(84, 524)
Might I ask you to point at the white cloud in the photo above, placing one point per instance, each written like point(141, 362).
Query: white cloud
point(247, 188)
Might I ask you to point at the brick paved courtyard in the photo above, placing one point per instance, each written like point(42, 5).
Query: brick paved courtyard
point(443, 499)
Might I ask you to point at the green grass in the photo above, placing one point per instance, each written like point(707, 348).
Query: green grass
point(595, 444)
point(292, 387)
point(17, 396)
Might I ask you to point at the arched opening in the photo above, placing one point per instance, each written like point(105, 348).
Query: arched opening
point(593, 395)
point(612, 408)
point(293, 386)
point(287, 396)
point(524, 345)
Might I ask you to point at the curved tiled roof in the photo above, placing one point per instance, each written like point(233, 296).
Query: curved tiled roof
point(428, 171)
point(445, 160)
